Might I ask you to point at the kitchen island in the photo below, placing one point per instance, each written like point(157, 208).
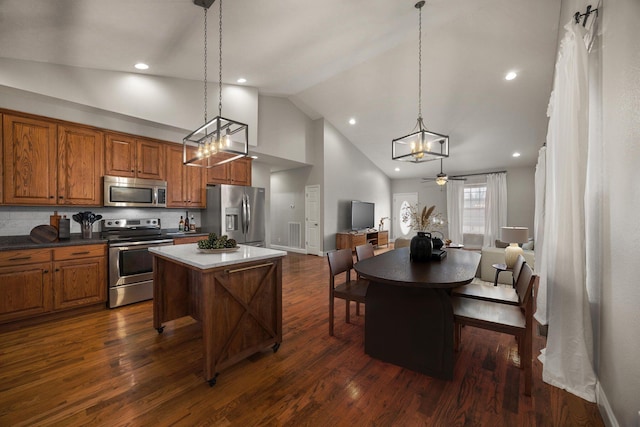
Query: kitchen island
point(236, 296)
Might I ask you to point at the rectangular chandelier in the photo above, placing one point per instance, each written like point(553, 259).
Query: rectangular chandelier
point(220, 135)
point(420, 146)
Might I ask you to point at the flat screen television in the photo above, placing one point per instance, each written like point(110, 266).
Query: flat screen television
point(362, 215)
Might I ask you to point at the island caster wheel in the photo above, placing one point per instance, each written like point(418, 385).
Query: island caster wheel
point(160, 329)
point(213, 380)
point(275, 347)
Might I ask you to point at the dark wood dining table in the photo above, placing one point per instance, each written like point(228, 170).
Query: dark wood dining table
point(409, 318)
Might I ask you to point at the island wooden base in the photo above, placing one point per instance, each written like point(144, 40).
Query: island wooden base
point(239, 307)
point(410, 327)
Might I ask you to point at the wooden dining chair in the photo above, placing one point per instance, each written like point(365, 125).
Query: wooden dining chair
point(341, 262)
point(504, 318)
point(364, 251)
point(501, 294)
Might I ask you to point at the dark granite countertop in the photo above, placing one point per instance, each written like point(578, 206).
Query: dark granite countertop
point(9, 243)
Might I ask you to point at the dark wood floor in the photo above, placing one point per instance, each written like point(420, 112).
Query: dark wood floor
point(112, 368)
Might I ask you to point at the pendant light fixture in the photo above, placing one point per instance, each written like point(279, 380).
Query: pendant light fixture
point(219, 140)
point(421, 145)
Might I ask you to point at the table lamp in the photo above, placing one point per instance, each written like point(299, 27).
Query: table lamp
point(513, 236)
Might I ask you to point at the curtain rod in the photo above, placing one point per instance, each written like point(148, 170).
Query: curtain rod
point(589, 11)
point(476, 174)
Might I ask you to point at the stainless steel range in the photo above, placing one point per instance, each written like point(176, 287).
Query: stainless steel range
point(130, 263)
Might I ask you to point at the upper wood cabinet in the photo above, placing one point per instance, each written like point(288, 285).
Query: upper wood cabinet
point(80, 166)
point(134, 157)
point(237, 172)
point(185, 184)
point(29, 159)
point(47, 163)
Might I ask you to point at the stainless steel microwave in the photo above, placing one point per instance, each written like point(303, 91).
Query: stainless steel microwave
point(134, 192)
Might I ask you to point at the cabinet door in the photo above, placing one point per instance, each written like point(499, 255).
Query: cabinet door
point(79, 282)
point(185, 184)
point(120, 155)
point(240, 171)
point(173, 157)
point(80, 160)
point(29, 161)
point(194, 186)
point(218, 174)
point(150, 160)
point(25, 291)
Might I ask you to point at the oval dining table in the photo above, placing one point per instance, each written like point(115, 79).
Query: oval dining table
point(408, 313)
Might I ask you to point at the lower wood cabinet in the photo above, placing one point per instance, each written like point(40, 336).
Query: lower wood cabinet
point(34, 282)
point(79, 276)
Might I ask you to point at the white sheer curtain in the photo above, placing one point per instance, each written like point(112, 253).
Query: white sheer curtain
point(455, 210)
point(495, 207)
point(569, 353)
point(538, 236)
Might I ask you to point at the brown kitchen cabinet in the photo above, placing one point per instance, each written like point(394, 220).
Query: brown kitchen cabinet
point(237, 172)
point(79, 276)
point(80, 166)
point(25, 284)
point(29, 160)
point(35, 282)
point(185, 184)
point(46, 163)
point(187, 240)
point(133, 157)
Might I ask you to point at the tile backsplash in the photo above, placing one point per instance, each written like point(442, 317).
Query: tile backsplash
point(20, 220)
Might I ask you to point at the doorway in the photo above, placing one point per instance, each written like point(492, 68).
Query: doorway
point(402, 202)
point(312, 219)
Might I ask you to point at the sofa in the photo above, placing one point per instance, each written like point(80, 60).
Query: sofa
point(492, 255)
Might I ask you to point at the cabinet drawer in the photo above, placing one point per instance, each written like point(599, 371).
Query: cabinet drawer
point(82, 251)
point(358, 239)
point(26, 256)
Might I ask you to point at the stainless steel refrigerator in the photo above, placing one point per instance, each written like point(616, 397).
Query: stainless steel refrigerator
point(238, 212)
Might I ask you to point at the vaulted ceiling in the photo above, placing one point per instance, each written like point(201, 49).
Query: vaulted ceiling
point(337, 59)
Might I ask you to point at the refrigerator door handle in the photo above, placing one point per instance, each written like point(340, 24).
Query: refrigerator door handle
point(248, 214)
point(244, 214)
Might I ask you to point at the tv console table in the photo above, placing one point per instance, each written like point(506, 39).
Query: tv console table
point(352, 239)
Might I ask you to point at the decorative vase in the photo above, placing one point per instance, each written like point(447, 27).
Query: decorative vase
point(421, 247)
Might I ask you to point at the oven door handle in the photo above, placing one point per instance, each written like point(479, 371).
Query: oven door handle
point(141, 245)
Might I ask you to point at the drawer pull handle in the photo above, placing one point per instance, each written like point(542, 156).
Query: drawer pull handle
point(80, 253)
point(20, 258)
point(238, 270)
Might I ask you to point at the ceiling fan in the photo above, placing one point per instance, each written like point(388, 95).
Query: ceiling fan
point(442, 178)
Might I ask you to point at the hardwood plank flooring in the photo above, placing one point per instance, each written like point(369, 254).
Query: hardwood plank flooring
point(111, 368)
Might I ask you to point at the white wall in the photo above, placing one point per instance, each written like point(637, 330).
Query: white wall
point(619, 346)
point(284, 130)
point(172, 102)
point(288, 203)
point(349, 175)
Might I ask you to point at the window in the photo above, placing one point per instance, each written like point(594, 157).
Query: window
point(473, 216)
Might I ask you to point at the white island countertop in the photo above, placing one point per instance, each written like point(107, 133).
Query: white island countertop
point(190, 255)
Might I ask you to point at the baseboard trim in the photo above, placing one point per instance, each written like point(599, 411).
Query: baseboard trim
point(289, 249)
point(606, 411)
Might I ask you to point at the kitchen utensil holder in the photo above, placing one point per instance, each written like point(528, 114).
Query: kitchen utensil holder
point(87, 230)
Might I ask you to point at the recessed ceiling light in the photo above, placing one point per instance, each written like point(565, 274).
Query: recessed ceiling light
point(511, 75)
point(254, 157)
point(352, 121)
point(397, 169)
point(516, 154)
point(141, 66)
point(241, 80)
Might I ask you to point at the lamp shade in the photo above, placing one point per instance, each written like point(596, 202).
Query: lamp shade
point(514, 234)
